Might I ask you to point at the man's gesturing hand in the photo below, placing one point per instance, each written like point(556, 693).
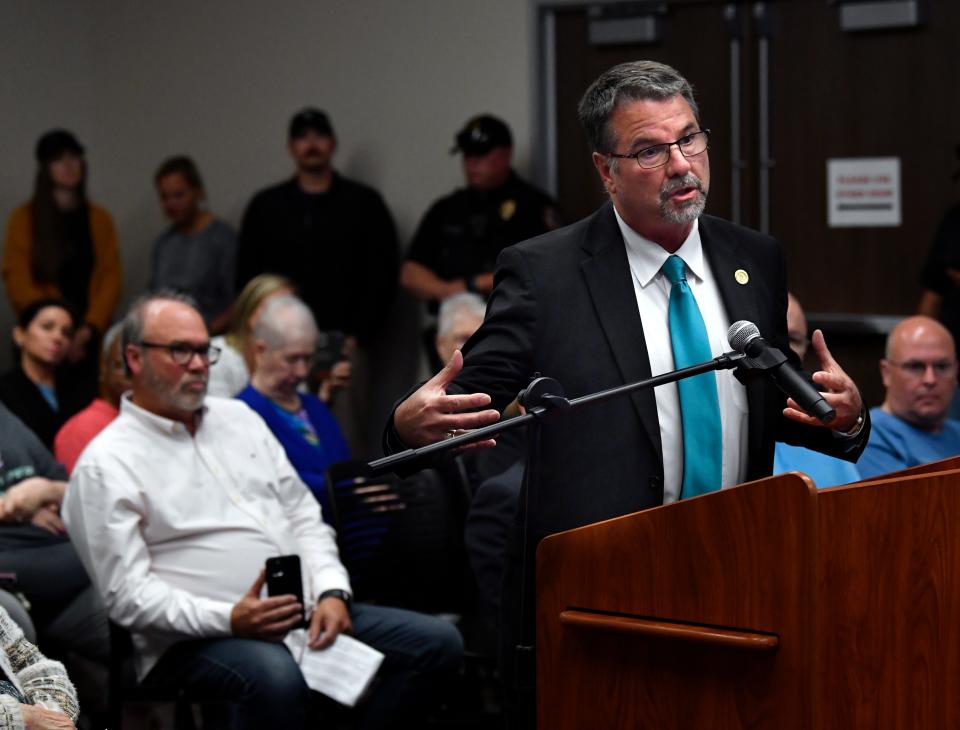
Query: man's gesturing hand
point(836, 387)
point(430, 414)
point(268, 619)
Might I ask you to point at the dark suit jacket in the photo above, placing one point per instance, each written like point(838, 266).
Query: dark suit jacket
point(563, 305)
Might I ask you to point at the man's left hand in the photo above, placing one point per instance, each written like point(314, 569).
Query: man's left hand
point(330, 618)
point(837, 389)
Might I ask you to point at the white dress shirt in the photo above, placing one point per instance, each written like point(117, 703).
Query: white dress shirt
point(652, 289)
point(173, 529)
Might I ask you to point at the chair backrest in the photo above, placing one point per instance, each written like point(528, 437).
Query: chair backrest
point(402, 539)
point(123, 686)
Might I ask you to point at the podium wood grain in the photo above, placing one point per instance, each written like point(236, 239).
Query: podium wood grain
point(771, 605)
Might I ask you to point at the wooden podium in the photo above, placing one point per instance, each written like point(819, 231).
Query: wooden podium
point(769, 605)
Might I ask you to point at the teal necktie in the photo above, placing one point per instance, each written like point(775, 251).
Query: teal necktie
point(699, 406)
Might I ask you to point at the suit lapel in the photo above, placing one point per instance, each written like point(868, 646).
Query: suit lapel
point(607, 274)
point(726, 260)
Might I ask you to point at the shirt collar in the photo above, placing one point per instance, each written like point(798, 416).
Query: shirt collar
point(151, 419)
point(647, 258)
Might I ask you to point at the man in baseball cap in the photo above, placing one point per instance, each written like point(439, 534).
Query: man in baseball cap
point(333, 237)
point(460, 237)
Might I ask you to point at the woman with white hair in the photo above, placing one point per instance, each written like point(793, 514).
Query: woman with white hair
point(284, 340)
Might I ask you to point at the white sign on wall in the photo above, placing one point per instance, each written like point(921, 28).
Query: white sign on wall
point(863, 192)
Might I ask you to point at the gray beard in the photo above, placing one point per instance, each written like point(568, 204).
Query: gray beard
point(181, 400)
point(689, 211)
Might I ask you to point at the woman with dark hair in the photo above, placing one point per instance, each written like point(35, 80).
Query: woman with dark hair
point(61, 245)
point(36, 389)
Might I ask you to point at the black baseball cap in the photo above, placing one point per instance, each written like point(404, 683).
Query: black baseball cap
point(310, 118)
point(54, 143)
point(482, 134)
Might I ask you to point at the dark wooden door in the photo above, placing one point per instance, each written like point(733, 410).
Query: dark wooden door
point(886, 93)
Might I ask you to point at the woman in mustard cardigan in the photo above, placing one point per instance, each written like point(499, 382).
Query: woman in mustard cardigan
point(61, 245)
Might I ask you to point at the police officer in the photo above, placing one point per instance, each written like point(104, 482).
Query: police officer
point(456, 246)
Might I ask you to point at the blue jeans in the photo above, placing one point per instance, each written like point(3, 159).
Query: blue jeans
point(266, 685)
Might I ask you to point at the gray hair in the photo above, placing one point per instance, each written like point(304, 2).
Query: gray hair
point(452, 307)
point(131, 328)
point(632, 81)
point(111, 335)
point(284, 318)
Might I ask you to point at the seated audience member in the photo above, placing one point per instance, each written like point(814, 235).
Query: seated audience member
point(35, 692)
point(495, 476)
point(919, 372)
point(826, 471)
point(460, 316)
point(196, 255)
point(177, 504)
point(459, 238)
point(79, 430)
point(64, 606)
point(37, 389)
point(283, 343)
point(231, 373)
point(61, 245)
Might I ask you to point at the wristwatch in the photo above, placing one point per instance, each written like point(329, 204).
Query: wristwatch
point(336, 593)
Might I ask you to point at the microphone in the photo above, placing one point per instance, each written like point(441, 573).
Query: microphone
point(744, 337)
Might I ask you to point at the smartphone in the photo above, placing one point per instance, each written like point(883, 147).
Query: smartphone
point(283, 578)
point(328, 353)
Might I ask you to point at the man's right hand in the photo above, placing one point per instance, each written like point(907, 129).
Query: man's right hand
point(431, 415)
point(267, 619)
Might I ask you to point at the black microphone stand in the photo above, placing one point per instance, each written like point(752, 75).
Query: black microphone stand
point(544, 398)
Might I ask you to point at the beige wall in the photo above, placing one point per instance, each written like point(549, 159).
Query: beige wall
point(219, 80)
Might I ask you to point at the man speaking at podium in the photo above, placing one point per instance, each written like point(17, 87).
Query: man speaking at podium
point(646, 284)
point(592, 305)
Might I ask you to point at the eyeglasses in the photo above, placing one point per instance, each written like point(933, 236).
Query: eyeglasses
point(918, 368)
point(659, 154)
point(182, 353)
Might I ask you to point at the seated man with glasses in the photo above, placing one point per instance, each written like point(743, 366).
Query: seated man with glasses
point(919, 372)
point(177, 504)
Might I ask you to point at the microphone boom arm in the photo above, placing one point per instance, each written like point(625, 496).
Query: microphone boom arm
point(550, 404)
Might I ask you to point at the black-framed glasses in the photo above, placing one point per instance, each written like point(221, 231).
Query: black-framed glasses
point(658, 155)
point(182, 353)
point(918, 368)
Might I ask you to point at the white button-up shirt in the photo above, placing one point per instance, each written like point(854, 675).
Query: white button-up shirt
point(652, 289)
point(174, 529)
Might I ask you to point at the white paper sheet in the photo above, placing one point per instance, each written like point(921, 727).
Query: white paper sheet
point(342, 671)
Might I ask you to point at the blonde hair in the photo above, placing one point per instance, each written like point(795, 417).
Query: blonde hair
point(257, 289)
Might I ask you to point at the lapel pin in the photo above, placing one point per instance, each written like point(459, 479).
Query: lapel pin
point(741, 276)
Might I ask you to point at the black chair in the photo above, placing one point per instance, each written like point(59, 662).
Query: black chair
point(401, 540)
point(123, 687)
